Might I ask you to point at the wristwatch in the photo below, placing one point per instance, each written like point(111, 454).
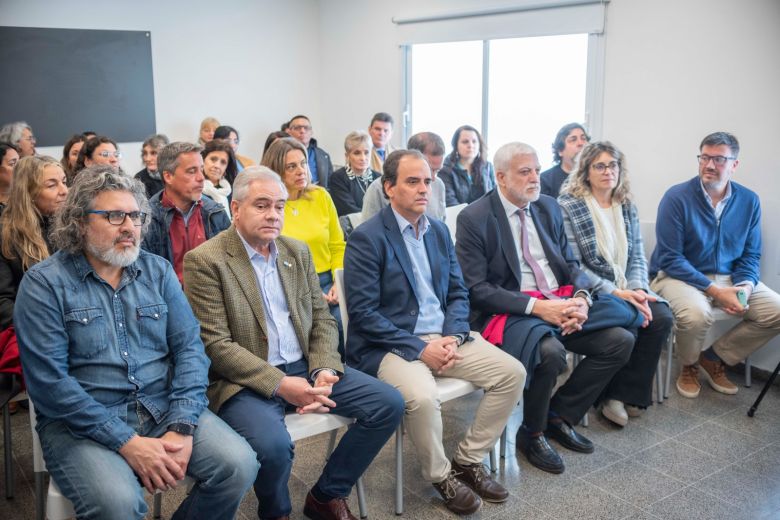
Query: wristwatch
point(585, 296)
point(182, 428)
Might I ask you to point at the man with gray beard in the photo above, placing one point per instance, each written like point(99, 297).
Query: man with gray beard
point(114, 364)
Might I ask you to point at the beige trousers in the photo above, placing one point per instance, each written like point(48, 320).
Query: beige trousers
point(500, 375)
point(693, 317)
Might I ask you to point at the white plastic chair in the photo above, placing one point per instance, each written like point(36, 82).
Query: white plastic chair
point(648, 235)
point(449, 388)
point(451, 218)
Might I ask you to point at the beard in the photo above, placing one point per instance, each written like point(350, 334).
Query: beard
point(113, 257)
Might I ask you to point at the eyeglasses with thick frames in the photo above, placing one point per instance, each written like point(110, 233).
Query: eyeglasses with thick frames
point(719, 160)
point(107, 154)
point(117, 218)
point(601, 167)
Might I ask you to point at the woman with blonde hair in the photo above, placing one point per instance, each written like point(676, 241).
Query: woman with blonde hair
point(207, 127)
point(39, 188)
point(309, 215)
point(348, 185)
point(602, 226)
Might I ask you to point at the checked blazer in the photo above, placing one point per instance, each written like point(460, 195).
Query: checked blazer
point(221, 286)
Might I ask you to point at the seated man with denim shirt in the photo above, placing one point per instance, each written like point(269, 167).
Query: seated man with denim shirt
point(114, 363)
point(273, 347)
point(708, 255)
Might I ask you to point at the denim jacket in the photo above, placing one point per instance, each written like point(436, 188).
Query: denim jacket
point(88, 351)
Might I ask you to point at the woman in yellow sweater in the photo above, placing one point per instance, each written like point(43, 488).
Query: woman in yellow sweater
point(309, 216)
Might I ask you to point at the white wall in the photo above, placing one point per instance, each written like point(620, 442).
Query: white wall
point(675, 71)
point(245, 62)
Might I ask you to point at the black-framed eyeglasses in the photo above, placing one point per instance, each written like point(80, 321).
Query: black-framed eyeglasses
point(719, 160)
point(117, 218)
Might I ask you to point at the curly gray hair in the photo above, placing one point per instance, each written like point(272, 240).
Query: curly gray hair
point(12, 132)
point(68, 230)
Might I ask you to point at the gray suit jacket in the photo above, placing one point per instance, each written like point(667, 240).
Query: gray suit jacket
point(221, 286)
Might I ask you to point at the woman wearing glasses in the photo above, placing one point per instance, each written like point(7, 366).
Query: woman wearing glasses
point(98, 150)
point(309, 216)
point(602, 227)
point(38, 190)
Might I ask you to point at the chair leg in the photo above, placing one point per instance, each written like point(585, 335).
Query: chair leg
point(659, 383)
point(493, 463)
point(332, 442)
point(503, 443)
point(669, 354)
point(157, 506)
point(399, 469)
point(40, 495)
point(9, 466)
point(748, 375)
point(361, 493)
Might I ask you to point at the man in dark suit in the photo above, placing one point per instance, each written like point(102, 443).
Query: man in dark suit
point(408, 310)
point(528, 295)
point(272, 344)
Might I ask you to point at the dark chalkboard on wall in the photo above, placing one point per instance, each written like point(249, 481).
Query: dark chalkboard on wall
point(65, 81)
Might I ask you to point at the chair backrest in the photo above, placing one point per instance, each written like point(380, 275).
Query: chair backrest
point(341, 293)
point(451, 218)
point(647, 229)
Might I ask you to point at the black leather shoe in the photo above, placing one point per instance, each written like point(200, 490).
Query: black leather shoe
point(539, 453)
point(568, 437)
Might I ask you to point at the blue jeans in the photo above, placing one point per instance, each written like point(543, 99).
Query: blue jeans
point(101, 484)
point(376, 406)
point(326, 282)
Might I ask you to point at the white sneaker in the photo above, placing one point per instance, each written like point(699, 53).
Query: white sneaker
point(614, 410)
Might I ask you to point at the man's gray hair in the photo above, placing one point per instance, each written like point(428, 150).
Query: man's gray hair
point(504, 155)
point(12, 132)
point(255, 174)
point(168, 159)
point(68, 230)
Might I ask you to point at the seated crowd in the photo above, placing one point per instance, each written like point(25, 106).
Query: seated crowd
point(181, 313)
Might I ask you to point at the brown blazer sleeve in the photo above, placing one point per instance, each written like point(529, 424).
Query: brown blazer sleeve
point(234, 341)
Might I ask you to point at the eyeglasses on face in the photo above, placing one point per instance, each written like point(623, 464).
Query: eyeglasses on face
point(602, 167)
point(107, 154)
point(117, 218)
point(719, 160)
point(299, 128)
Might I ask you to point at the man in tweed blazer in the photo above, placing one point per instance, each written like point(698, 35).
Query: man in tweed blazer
point(273, 347)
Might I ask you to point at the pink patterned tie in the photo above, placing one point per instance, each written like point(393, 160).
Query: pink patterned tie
point(541, 281)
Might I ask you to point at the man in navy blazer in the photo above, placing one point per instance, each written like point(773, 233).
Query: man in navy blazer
point(408, 322)
point(539, 308)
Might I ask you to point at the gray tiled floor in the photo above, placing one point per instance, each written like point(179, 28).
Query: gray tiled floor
point(686, 459)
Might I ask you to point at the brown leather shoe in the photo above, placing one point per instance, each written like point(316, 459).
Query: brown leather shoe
point(458, 497)
point(335, 509)
point(478, 478)
point(715, 374)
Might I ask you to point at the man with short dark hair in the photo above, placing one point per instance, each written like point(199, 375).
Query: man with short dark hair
point(114, 363)
point(320, 165)
point(569, 142)
point(408, 311)
point(432, 147)
point(381, 131)
point(707, 255)
point(182, 217)
point(273, 347)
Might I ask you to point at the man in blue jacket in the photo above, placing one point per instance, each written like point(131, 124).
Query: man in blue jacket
point(707, 255)
point(408, 322)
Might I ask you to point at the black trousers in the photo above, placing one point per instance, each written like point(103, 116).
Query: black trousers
point(633, 384)
point(606, 351)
